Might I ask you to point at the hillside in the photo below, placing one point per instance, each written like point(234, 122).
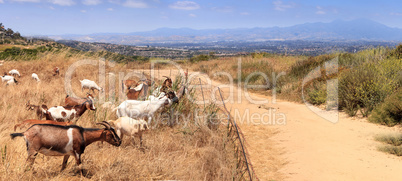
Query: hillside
point(169, 152)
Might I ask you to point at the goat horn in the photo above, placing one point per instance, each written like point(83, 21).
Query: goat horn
point(166, 77)
point(104, 123)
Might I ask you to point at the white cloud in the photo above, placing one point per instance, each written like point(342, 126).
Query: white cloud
point(114, 1)
point(226, 9)
point(91, 2)
point(63, 2)
point(135, 4)
point(395, 14)
point(244, 13)
point(192, 15)
point(320, 10)
point(110, 9)
point(83, 11)
point(29, 1)
point(1, 1)
point(280, 6)
point(184, 5)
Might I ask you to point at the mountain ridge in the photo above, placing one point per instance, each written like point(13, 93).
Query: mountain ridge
point(359, 29)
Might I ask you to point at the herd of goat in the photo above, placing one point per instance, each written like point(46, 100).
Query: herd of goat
point(58, 135)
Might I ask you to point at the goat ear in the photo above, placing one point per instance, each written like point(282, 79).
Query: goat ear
point(44, 107)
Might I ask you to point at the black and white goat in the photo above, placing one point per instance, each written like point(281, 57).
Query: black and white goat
point(56, 140)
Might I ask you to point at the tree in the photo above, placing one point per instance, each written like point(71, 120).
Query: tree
point(1, 27)
point(9, 32)
point(17, 35)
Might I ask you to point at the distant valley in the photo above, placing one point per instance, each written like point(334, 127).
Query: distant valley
point(303, 39)
point(356, 30)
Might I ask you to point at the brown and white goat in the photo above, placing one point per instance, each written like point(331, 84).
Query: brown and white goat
point(130, 83)
point(56, 71)
point(56, 140)
point(38, 109)
point(137, 92)
point(73, 101)
point(67, 113)
point(30, 122)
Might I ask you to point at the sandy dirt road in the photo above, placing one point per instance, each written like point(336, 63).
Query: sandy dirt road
point(304, 146)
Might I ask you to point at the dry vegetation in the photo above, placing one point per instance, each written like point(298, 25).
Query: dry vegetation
point(194, 152)
point(257, 63)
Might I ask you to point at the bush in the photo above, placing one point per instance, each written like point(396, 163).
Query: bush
point(302, 68)
point(397, 52)
point(199, 58)
point(317, 95)
point(364, 87)
point(394, 140)
point(390, 112)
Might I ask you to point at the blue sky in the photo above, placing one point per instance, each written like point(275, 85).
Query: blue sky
point(54, 17)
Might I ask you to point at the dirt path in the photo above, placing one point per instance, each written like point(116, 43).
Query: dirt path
point(304, 146)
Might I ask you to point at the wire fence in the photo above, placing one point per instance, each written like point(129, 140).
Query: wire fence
point(244, 168)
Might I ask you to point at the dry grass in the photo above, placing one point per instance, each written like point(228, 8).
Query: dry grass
point(191, 153)
point(286, 86)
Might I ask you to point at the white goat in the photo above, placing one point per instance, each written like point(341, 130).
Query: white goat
point(14, 72)
point(91, 85)
point(35, 77)
point(140, 109)
point(130, 127)
point(12, 82)
point(6, 78)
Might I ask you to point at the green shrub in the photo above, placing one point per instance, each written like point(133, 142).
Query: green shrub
point(390, 112)
point(394, 140)
point(364, 87)
point(317, 95)
point(199, 58)
point(303, 67)
point(397, 52)
point(395, 150)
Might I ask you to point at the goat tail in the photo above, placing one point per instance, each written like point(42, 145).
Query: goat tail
point(13, 135)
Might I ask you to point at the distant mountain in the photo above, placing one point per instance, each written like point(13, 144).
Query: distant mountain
point(360, 29)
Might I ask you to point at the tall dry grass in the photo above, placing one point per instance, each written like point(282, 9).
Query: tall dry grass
point(273, 64)
point(193, 152)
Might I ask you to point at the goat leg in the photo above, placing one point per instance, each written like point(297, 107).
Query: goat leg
point(31, 158)
point(140, 140)
point(65, 159)
point(78, 160)
point(133, 140)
